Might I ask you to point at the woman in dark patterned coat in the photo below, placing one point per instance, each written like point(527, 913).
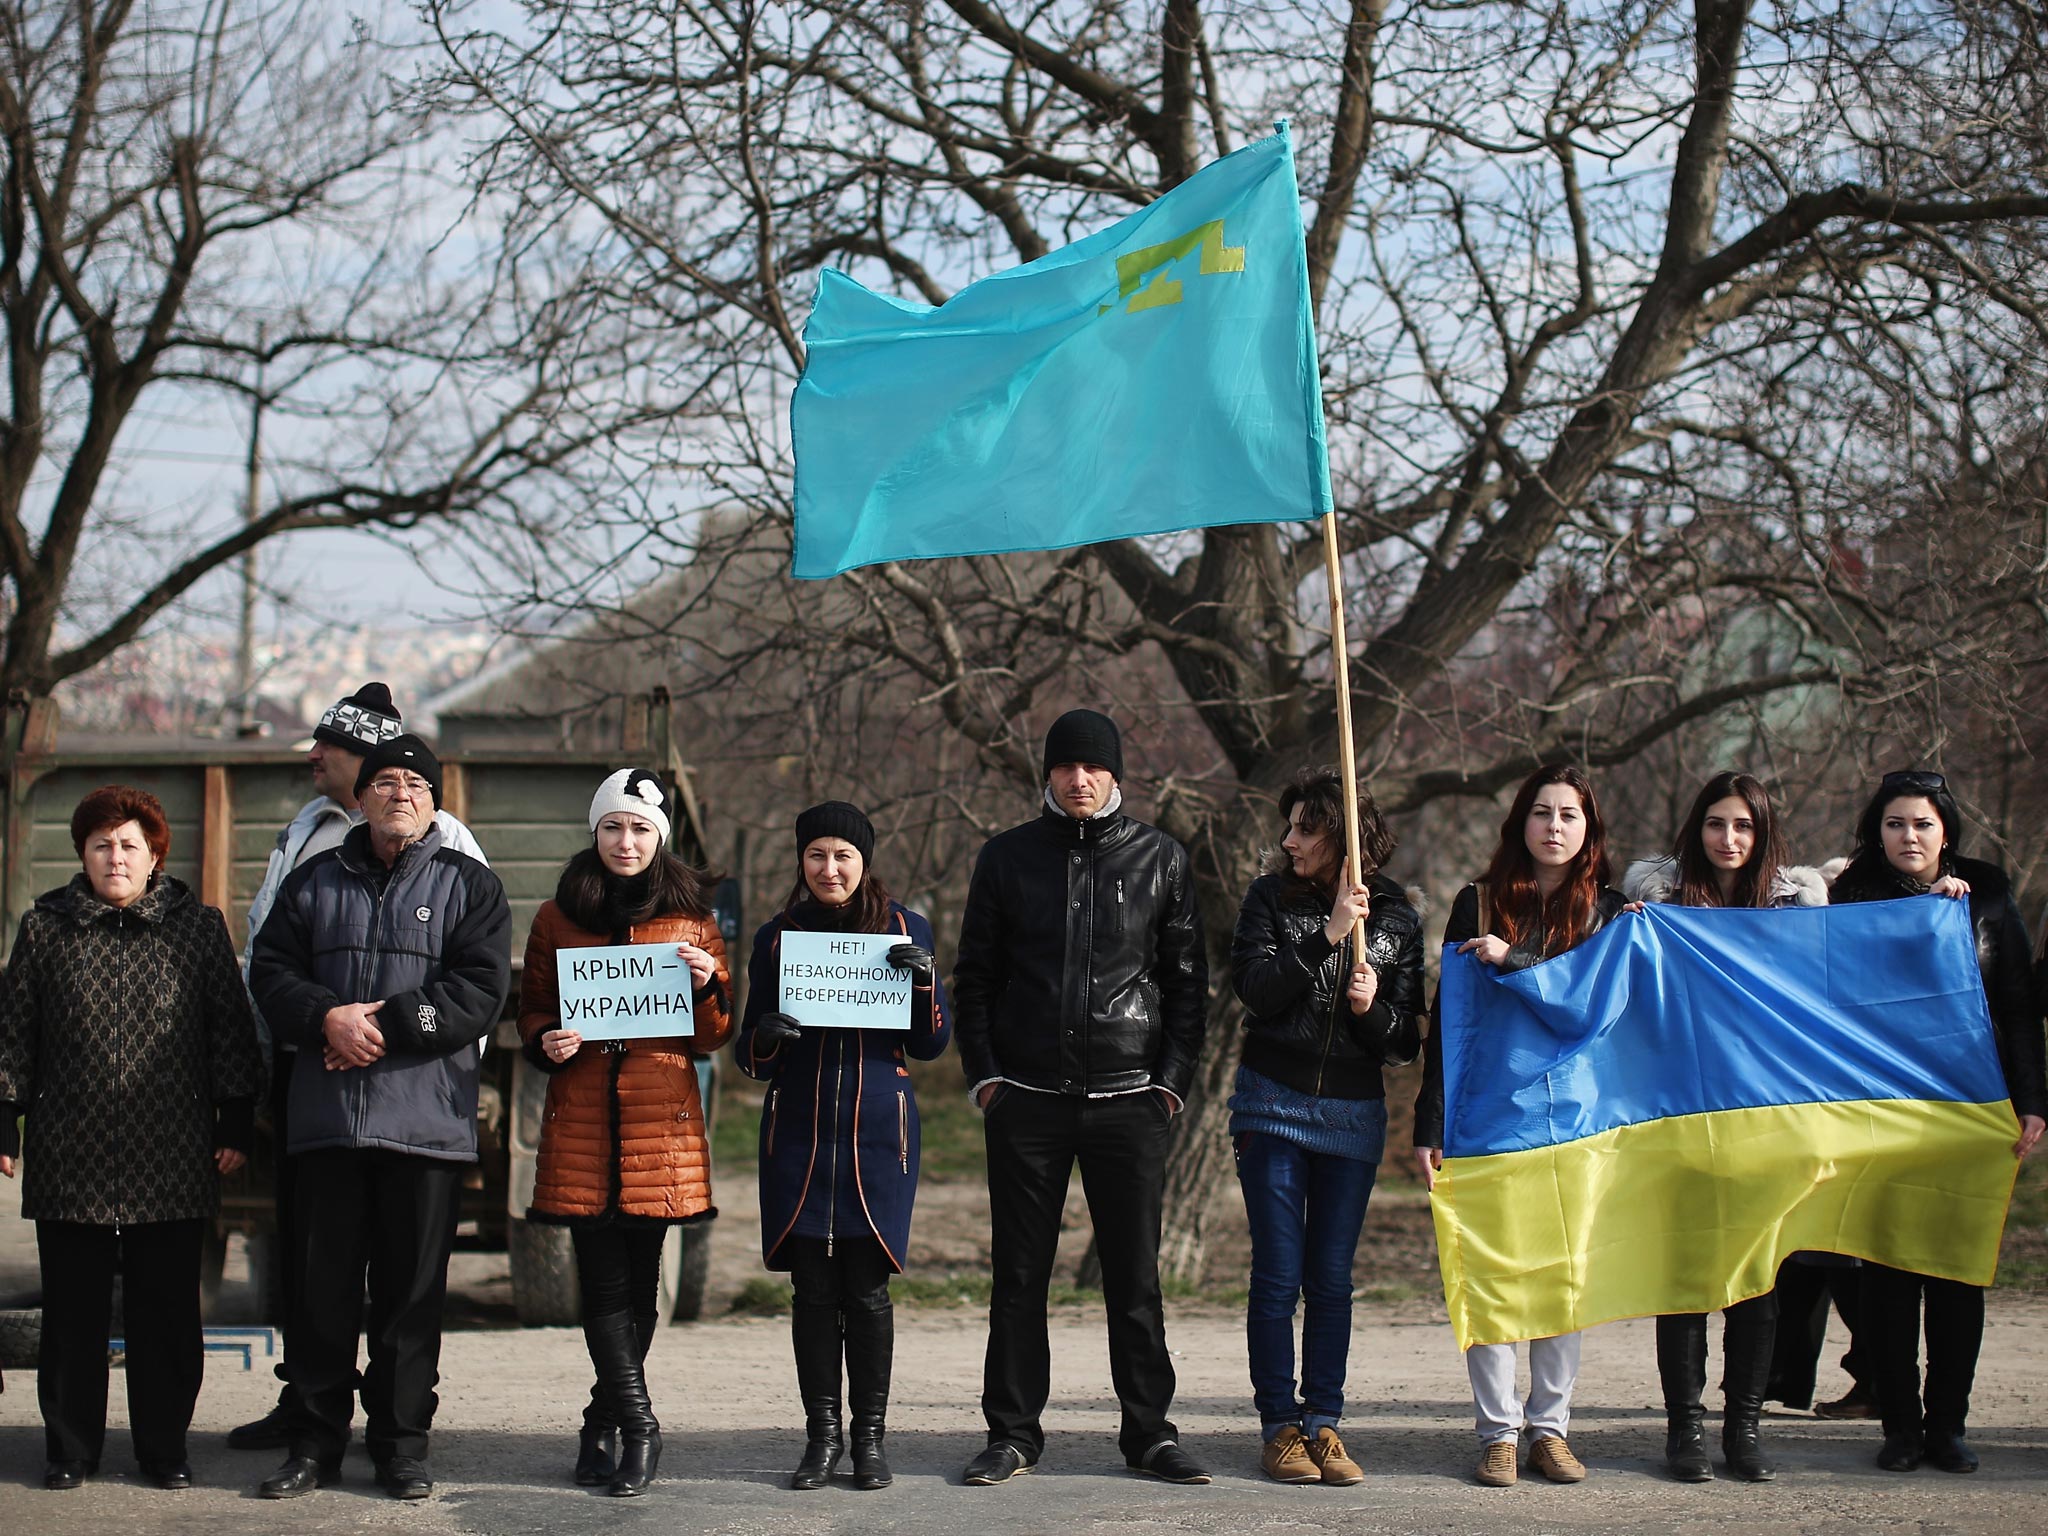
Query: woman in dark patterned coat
point(127, 1040)
point(839, 1142)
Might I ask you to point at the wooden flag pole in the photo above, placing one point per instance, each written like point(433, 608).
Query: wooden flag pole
point(1347, 749)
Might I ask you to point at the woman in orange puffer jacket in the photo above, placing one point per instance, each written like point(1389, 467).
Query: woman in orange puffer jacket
point(623, 1148)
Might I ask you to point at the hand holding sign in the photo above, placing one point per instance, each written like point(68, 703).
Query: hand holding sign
point(702, 966)
point(914, 958)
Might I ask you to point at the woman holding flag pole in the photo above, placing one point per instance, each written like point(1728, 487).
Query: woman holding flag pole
point(1906, 846)
point(1729, 853)
point(1544, 892)
point(1308, 1119)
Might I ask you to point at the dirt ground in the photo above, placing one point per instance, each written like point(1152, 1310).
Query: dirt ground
point(725, 1392)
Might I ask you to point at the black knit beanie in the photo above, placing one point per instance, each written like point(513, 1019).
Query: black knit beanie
point(360, 721)
point(407, 752)
point(836, 818)
point(1083, 736)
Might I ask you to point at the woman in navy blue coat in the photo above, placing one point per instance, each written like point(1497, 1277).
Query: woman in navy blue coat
point(839, 1142)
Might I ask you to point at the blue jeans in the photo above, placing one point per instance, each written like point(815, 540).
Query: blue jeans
point(1306, 1210)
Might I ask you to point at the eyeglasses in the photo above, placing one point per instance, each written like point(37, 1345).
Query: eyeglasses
point(1914, 781)
point(411, 786)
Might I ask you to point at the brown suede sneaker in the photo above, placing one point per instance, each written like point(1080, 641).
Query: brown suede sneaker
point(1327, 1452)
point(1549, 1455)
point(1497, 1464)
point(1286, 1458)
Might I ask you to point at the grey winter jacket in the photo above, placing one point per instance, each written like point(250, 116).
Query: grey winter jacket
point(126, 1037)
point(431, 936)
point(321, 824)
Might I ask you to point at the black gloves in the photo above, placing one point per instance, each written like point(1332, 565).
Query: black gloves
point(773, 1030)
point(914, 958)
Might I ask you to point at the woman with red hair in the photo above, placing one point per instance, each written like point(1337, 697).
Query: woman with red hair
point(1545, 891)
point(127, 1041)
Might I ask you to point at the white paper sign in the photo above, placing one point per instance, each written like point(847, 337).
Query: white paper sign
point(624, 991)
point(843, 981)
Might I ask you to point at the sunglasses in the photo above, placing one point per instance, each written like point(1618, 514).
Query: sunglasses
point(1914, 781)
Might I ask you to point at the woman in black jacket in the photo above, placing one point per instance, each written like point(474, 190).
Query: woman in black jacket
point(840, 1143)
point(126, 1036)
point(1729, 853)
point(1309, 1117)
point(1545, 891)
point(1906, 846)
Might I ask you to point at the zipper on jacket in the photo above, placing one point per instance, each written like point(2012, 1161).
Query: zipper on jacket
point(903, 1130)
point(1119, 903)
point(616, 1187)
point(1330, 1019)
point(361, 1115)
point(120, 1062)
point(771, 1121)
point(832, 1189)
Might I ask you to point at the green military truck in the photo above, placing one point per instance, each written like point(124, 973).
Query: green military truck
point(227, 801)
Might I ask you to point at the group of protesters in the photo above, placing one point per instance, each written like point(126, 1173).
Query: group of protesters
point(378, 961)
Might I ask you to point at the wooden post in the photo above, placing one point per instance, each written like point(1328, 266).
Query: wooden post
point(455, 790)
point(216, 838)
point(1347, 749)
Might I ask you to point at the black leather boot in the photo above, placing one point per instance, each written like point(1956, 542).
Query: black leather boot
point(870, 1349)
point(615, 1347)
point(1682, 1368)
point(1746, 1368)
point(814, 1334)
point(597, 1447)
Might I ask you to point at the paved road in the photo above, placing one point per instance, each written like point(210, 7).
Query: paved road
point(724, 1391)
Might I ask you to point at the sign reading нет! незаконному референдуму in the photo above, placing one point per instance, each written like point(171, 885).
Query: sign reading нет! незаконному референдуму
point(624, 991)
point(843, 980)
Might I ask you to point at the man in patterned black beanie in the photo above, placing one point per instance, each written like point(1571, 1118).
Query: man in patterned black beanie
point(1079, 1004)
point(348, 732)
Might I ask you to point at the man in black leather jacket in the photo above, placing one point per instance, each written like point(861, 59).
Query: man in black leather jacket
point(1080, 998)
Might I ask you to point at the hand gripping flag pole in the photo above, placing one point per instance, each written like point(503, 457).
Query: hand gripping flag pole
point(1347, 746)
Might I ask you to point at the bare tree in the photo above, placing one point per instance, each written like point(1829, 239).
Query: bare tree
point(1637, 322)
point(218, 207)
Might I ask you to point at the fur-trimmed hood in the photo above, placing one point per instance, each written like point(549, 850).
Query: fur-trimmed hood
point(1796, 885)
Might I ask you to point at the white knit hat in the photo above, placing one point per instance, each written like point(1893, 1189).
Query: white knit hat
point(634, 791)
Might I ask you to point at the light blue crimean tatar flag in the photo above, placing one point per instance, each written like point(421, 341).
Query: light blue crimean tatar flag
point(1158, 375)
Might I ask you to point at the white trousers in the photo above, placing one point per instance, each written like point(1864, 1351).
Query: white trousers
point(1553, 1370)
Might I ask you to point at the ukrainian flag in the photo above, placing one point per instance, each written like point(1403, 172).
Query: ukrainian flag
point(1653, 1121)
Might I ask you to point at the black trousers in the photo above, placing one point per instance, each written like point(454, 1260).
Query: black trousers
point(1892, 1304)
point(388, 1217)
point(1034, 1140)
point(1804, 1292)
point(283, 1170)
point(158, 1262)
point(618, 1269)
point(853, 1275)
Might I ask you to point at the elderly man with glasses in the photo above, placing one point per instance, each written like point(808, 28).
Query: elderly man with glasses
point(385, 962)
point(350, 729)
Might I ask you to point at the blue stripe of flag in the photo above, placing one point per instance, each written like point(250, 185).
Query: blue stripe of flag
point(1683, 1011)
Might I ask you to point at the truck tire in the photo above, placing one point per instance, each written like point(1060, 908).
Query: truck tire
point(21, 1338)
point(693, 1273)
point(543, 1274)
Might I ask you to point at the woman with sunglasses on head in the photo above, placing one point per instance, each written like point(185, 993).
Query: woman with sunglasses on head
point(839, 1143)
point(1729, 853)
point(1308, 1119)
point(1906, 841)
point(1545, 891)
